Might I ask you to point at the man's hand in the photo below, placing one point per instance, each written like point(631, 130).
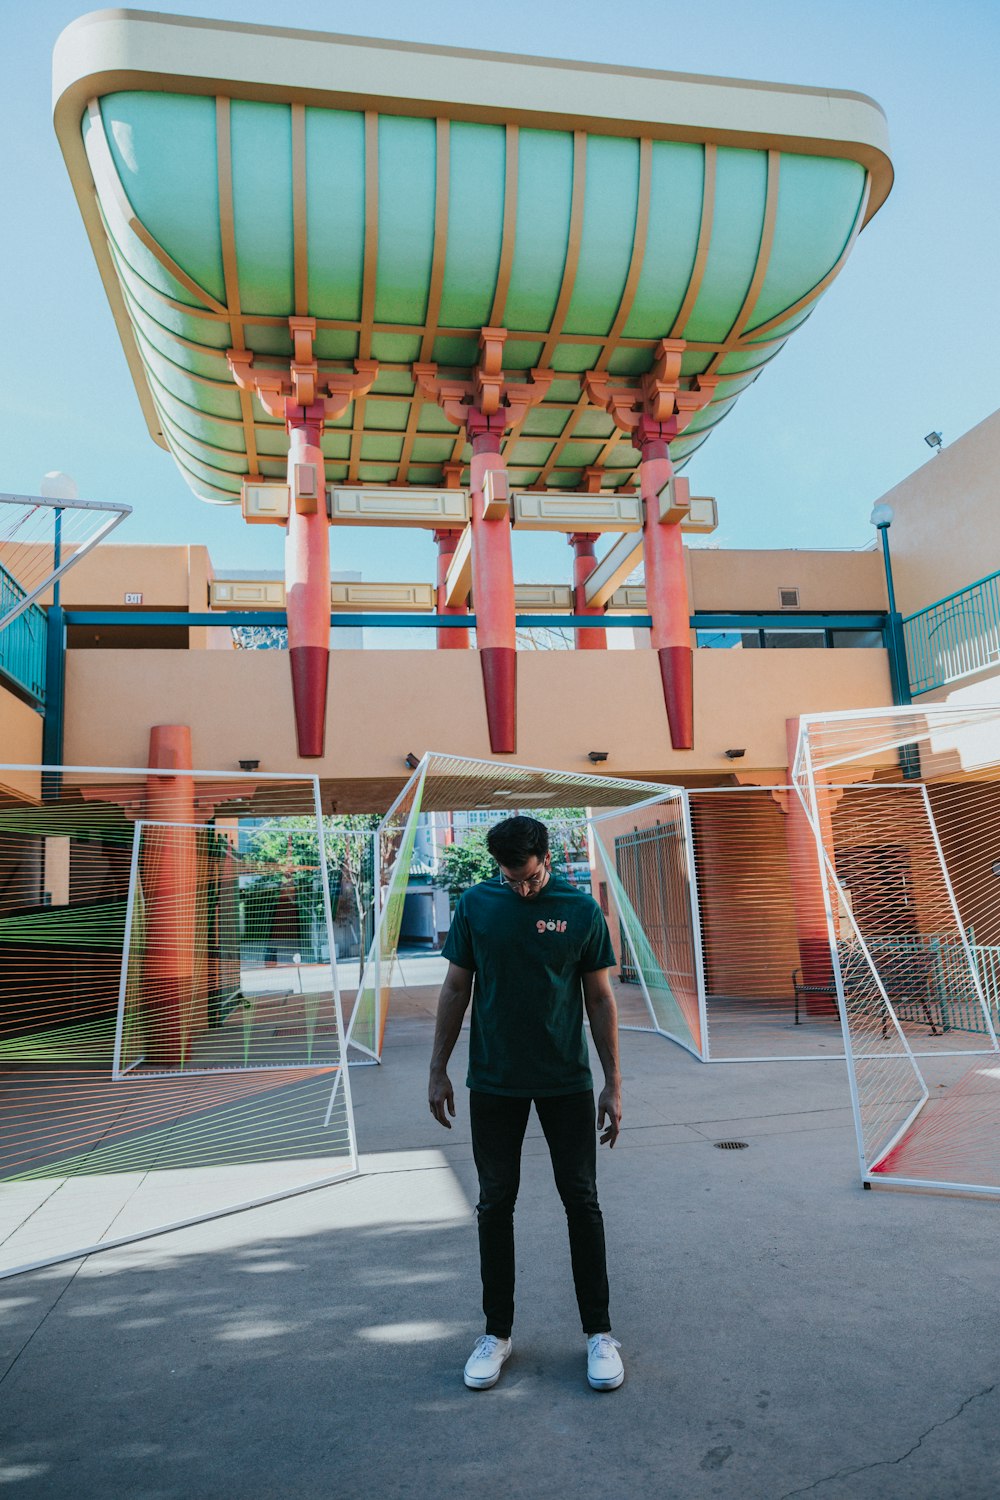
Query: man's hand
point(609, 1109)
point(441, 1096)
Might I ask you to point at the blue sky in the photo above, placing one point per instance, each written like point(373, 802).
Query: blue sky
point(905, 342)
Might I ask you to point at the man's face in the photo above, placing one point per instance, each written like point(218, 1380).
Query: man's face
point(528, 879)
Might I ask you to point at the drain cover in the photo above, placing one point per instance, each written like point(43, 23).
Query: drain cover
point(730, 1145)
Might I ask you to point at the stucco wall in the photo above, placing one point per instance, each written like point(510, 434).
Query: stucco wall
point(20, 743)
point(386, 703)
point(946, 531)
point(747, 580)
point(177, 578)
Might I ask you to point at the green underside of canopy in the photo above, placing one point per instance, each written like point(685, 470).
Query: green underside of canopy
point(427, 300)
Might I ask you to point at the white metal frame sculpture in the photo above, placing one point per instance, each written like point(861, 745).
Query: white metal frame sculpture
point(663, 942)
point(84, 1136)
point(935, 1126)
point(452, 783)
point(41, 539)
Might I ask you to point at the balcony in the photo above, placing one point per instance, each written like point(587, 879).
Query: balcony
point(22, 642)
point(954, 638)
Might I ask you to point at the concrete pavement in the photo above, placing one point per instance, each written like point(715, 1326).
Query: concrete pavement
point(784, 1332)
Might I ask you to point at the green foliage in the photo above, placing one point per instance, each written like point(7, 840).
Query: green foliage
point(465, 864)
point(294, 841)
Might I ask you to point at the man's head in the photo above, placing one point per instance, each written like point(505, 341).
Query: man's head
point(520, 847)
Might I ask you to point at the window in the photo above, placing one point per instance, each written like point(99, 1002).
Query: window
point(723, 638)
point(783, 640)
point(864, 638)
point(729, 640)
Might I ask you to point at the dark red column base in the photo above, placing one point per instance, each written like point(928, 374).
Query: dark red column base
point(817, 968)
point(499, 667)
point(677, 676)
point(310, 668)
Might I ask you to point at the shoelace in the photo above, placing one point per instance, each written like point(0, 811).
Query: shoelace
point(485, 1346)
point(600, 1349)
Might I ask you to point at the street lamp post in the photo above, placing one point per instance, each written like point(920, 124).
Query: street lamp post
point(55, 486)
point(882, 517)
point(899, 670)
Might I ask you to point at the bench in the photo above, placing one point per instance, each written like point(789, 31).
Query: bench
point(828, 989)
point(906, 976)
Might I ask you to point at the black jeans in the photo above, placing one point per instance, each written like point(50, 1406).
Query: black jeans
point(498, 1126)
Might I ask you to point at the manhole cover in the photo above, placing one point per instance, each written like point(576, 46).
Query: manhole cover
point(730, 1145)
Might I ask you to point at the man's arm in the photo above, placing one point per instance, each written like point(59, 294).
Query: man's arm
point(453, 1002)
point(602, 1011)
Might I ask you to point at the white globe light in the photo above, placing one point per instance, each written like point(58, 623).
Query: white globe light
point(58, 486)
point(882, 514)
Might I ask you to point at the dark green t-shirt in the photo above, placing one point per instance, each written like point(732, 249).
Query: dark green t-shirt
point(528, 955)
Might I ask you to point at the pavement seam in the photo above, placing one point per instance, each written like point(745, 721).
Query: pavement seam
point(43, 1320)
point(886, 1463)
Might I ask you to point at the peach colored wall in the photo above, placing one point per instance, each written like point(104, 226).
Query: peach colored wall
point(387, 703)
point(167, 577)
point(736, 580)
point(102, 578)
point(20, 743)
point(946, 531)
point(170, 577)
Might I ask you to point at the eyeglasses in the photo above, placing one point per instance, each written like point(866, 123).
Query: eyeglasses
point(533, 882)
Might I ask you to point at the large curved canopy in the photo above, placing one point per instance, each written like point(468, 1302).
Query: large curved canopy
point(405, 196)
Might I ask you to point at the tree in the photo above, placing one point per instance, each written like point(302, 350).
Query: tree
point(292, 844)
point(465, 864)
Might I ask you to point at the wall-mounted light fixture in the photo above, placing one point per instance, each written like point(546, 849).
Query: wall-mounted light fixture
point(411, 760)
point(734, 754)
point(249, 765)
point(596, 756)
point(934, 440)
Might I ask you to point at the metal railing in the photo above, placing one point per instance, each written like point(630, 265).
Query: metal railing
point(937, 989)
point(22, 640)
point(988, 964)
point(955, 637)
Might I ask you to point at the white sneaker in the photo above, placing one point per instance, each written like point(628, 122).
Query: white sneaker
point(482, 1368)
point(605, 1370)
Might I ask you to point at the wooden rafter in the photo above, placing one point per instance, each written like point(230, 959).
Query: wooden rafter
point(704, 243)
point(509, 232)
point(764, 249)
point(754, 339)
point(365, 332)
point(441, 190)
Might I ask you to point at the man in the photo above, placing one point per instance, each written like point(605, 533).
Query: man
point(536, 948)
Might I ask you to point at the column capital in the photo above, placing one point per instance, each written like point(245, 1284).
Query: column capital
point(301, 384)
point(657, 409)
point(488, 402)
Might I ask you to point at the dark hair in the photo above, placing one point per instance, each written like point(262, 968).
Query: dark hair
point(515, 840)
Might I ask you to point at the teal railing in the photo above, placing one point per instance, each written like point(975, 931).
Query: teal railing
point(22, 642)
point(988, 964)
point(933, 986)
point(955, 637)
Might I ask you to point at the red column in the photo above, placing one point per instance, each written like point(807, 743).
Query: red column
point(807, 889)
point(493, 588)
point(307, 576)
point(666, 587)
point(584, 563)
point(449, 638)
point(170, 879)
